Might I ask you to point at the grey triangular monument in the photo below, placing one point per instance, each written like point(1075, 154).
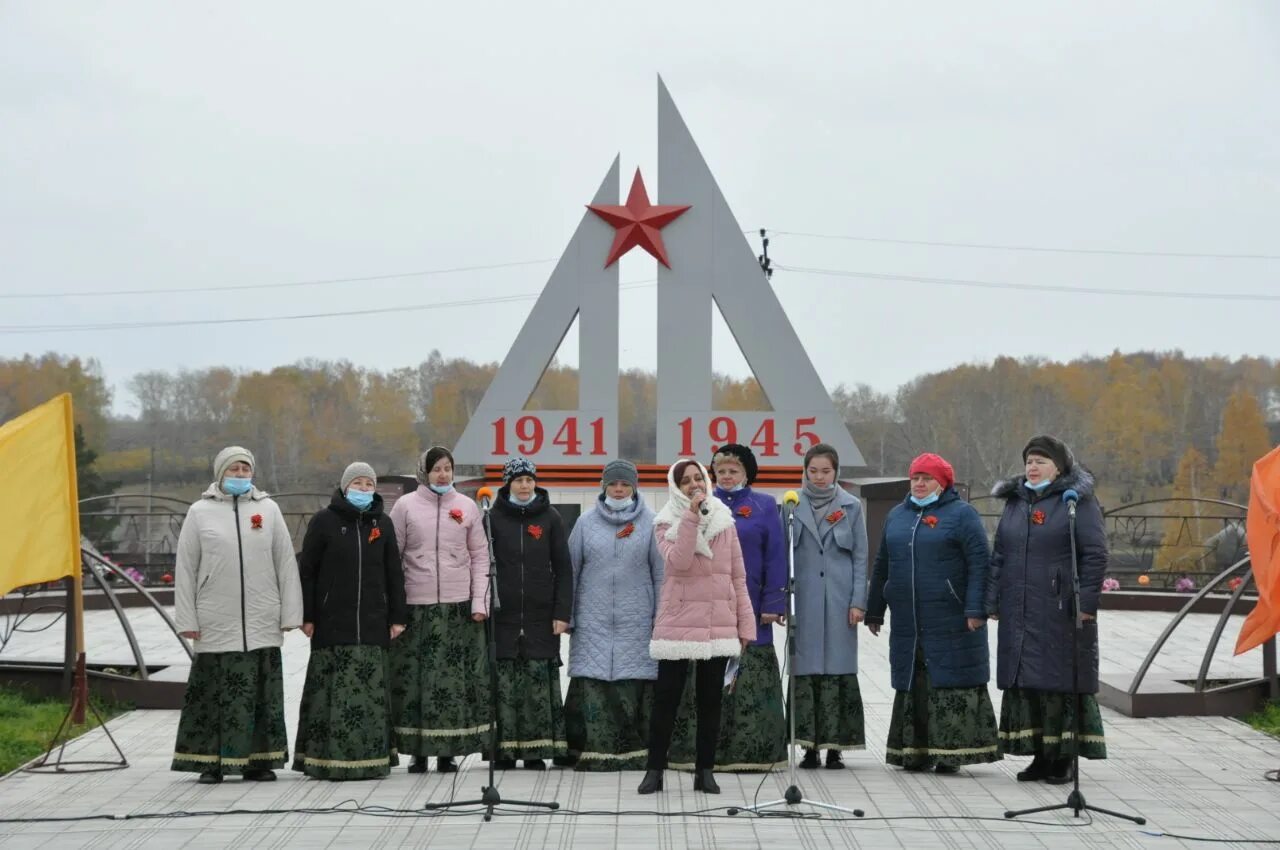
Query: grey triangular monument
point(582, 287)
point(709, 260)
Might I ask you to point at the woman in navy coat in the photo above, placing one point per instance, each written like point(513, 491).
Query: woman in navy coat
point(1029, 590)
point(931, 571)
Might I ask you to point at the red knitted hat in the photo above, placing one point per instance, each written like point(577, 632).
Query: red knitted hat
point(934, 465)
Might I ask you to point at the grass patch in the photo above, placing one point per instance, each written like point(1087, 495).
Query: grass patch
point(1267, 720)
point(27, 722)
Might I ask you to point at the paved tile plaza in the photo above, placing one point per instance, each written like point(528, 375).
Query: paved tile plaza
point(1198, 776)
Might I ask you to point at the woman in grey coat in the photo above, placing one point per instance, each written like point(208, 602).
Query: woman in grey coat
point(830, 602)
point(617, 576)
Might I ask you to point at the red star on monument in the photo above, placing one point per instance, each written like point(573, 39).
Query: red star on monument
point(638, 223)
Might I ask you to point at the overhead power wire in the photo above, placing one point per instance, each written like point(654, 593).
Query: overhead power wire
point(1033, 287)
point(1039, 249)
point(373, 311)
point(102, 293)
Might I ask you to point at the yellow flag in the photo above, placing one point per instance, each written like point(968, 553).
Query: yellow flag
point(40, 540)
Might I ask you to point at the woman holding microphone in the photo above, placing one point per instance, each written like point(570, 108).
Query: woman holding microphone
point(704, 616)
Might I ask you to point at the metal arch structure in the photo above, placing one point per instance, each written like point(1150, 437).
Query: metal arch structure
point(1244, 570)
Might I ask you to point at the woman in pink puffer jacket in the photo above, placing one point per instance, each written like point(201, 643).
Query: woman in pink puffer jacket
point(704, 616)
point(439, 704)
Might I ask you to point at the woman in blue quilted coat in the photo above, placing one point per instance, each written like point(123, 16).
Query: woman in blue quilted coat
point(617, 577)
point(931, 572)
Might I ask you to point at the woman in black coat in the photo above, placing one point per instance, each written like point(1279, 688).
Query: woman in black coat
point(535, 591)
point(353, 607)
point(1029, 590)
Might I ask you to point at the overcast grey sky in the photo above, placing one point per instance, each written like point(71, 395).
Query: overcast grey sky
point(157, 145)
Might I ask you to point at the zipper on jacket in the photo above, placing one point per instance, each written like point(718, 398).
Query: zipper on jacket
point(520, 639)
point(955, 595)
point(244, 629)
point(439, 597)
point(915, 609)
point(359, 575)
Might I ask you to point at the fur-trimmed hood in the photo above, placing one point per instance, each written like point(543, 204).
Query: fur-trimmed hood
point(1078, 479)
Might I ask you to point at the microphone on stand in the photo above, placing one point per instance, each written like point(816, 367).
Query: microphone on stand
point(1069, 498)
point(485, 497)
point(790, 499)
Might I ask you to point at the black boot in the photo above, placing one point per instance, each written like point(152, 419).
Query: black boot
point(705, 781)
point(260, 774)
point(504, 764)
point(1037, 770)
point(445, 764)
point(418, 765)
point(651, 783)
point(1061, 772)
point(835, 760)
point(210, 777)
point(535, 764)
point(810, 760)
point(570, 760)
point(945, 768)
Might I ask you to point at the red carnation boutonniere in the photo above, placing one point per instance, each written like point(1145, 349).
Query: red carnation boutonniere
point(456, 515)
point(1037, 517)
point(375, 534)
point(535, 531)
point(930, 520)
point(744, 511)
point(835, 516)
point(626, 530)
point(256, 522)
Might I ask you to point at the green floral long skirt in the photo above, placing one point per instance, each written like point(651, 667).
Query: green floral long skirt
point(440, 683)
point(232, 714)
point(1034, 723)
point(607, 723)
point(530, 711)
point(951, 726)
point(829, 713)
point(753, 721)
point(344, 725)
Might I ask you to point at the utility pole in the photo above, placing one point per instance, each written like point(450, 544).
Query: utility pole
point(765, 263)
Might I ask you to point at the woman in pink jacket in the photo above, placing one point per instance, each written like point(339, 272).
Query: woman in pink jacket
point(704, 616)
point(439, 704)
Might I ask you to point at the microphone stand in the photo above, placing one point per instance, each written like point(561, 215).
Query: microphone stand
point(793, 795)
point(1075, 800)
point(489, 796)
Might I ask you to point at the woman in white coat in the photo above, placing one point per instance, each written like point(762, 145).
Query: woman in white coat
point(236, 589)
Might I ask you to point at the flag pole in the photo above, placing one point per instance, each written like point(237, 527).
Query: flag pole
point(80, 682)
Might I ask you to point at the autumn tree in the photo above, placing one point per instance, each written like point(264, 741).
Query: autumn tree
point(1242, 439)
point(1182, 545)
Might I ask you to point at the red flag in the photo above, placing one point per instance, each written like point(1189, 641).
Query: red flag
point(1263, 530)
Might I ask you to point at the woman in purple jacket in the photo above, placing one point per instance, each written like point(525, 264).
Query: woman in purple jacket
point(753, 728)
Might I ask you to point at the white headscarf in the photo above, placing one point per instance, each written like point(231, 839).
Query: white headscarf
point(713, 522)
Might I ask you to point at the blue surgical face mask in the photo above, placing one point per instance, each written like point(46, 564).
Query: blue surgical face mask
point(1039, 488)
point(522, 503)
point(360, 499)
point(926, 501)
point(617, 504)
point(236, 486)
point(440, 489)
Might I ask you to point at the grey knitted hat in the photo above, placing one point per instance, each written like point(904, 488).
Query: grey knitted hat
point(356, 470)
point(620, 470)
